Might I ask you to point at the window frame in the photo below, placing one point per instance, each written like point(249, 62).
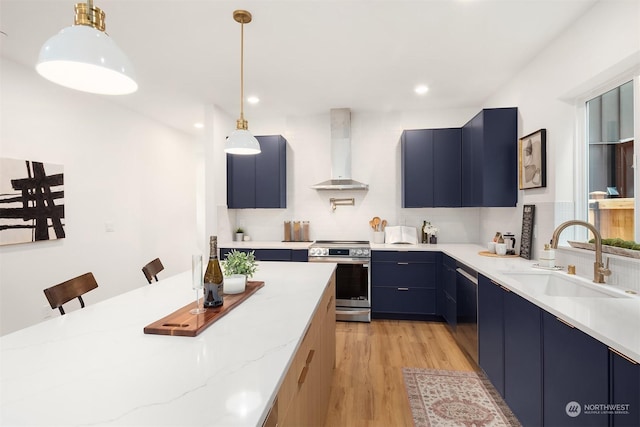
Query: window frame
point(581, 180)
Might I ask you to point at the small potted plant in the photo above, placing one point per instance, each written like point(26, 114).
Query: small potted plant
point(239, 234)
point(237, 267)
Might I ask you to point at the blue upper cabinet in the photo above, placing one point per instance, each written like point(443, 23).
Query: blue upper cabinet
point(431, 168)
point(259, 181)
point(417, 175)
point(490, 158)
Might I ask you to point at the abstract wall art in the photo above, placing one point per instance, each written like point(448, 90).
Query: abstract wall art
point(31, 201)
point(532, 160)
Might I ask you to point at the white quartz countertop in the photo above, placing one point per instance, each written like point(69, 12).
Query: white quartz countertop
point(95, 366)
point(265, 245)
point(613, 321)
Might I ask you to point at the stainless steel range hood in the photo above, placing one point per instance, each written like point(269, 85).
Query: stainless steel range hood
point(340, 154)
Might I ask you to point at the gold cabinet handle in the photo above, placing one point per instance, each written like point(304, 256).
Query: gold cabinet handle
point(303, 375)
point(505, 289)
point(623, 356)
point(565, 322)
point(330, 303)
point(310, 356)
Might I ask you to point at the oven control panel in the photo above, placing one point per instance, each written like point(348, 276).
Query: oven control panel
point(340, 252)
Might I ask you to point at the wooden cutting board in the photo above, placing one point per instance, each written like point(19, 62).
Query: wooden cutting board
point(182, 323)
point(487, 253)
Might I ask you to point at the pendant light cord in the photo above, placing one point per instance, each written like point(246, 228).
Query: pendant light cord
point(242, 71)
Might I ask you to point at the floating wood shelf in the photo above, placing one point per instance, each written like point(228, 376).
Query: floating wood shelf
point(182, 323)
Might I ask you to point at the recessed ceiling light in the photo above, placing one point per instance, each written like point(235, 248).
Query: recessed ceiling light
point(198, 125)
point(421, 89)
point(253, 100)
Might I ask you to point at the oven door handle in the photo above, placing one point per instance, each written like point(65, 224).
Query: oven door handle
point(353, 312)
point(363, 262)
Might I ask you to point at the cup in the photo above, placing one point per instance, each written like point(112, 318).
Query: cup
point(501, 249)
point(378, 237)
point(492, 247)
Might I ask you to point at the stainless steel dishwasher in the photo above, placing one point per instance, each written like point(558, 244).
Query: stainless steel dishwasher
point(466, 331)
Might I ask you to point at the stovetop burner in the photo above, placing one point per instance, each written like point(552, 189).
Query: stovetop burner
point(342, 242)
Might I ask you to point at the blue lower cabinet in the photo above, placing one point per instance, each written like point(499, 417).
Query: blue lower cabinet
point(576, 375)
point(300, 255)
point(523, 359)
point(625, 390)
point(404, 284)
point(263, 254)
point(491, 331)
point(403, 301)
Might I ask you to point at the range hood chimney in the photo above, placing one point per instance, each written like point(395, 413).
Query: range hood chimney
point(340, 154)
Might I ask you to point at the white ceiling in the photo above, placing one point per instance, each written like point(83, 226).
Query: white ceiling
point(304, 57)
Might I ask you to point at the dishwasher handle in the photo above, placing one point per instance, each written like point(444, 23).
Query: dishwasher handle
point(466, 274)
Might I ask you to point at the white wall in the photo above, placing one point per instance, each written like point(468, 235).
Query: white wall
point(375, 160)
point(119, 166)
point(601, 45)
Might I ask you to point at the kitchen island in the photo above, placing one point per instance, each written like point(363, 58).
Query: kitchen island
point(95, 366)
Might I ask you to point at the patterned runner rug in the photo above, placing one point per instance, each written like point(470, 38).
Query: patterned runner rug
point(455, 398)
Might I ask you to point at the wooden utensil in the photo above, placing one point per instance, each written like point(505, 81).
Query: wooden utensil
point(376, 222)
point(383, 224)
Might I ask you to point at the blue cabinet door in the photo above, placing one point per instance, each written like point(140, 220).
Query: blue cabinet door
point(472, 161)
point(404, 284)
point(259, 181)
point(625, 390)
point(271, 173)
point(447, 167)
point(448, 291)
point(489, 158)
point(300, 255)
point(523, 359)
point(576, 373)
point(417, 173)
point(500, 149)
point(491, 331)
point(262, 254)
point(241, 178)
point(399, 301)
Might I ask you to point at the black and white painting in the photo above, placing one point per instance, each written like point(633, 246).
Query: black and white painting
point(532, 160)
point(31, 201)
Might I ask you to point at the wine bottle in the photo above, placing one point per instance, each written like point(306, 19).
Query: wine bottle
point(213, 279)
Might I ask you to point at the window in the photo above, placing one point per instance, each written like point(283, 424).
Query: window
point(610, 168)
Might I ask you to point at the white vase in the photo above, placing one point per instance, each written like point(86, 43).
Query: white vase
point(239, 237)
point(235, 284)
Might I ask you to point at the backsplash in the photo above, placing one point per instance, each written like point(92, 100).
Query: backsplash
point(625, 272)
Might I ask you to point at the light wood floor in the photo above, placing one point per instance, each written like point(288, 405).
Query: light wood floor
point(367, 387)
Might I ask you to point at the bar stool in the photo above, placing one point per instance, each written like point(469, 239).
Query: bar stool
point(73, 288)
point(152, 269)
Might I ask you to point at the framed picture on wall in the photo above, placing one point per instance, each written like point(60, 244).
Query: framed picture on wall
point(532, 160)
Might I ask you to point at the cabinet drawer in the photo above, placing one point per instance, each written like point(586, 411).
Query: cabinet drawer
point(403, 274)
point(449, 262)
point(405, 300)
point(404, 256)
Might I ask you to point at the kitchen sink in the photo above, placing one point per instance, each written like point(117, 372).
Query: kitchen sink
point(558, 284)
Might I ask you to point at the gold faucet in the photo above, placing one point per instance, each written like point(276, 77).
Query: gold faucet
point(599, 269)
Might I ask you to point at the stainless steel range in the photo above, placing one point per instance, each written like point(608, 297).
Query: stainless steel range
point(353, 289)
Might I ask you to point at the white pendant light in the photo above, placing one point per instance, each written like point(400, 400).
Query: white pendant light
point(241, 141)
point(83, 56)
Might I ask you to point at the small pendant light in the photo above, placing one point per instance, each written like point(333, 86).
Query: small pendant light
point(241, 141)
point(83, 56)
